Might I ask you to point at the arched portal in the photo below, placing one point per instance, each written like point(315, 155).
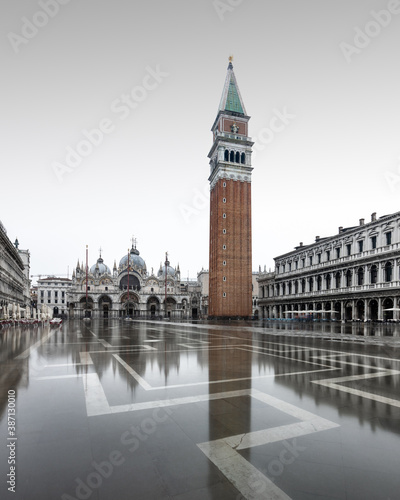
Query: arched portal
point(360, 310)
point(348, 308)
point(153, 307)
point(373, 310)
point(129, 305)
point(387, 306)
point(170, 308)
point(105, 306)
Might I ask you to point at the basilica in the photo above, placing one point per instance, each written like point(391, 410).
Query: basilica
point(129, 290)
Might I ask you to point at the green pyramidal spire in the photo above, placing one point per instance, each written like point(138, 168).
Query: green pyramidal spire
point(231, 99)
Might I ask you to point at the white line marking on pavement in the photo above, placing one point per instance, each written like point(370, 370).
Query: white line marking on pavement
point(334, 383)
point(96, 400)
point(134, 374)
point(85, 358)
point(44, 339)
point(246, 478)
point(178, 401)
point(56, 377)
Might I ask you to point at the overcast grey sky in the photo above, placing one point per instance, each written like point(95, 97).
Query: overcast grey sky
point(330, 68)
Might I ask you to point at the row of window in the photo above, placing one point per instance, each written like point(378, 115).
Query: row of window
point(337, 254)
point(49, 293)
point(235, 157)
point(299, 286)
point(49, 301)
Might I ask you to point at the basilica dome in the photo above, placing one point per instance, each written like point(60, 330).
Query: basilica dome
point(103, 269)
point(134, 260)
point(170, 271)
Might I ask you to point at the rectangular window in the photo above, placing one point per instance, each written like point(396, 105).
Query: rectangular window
point(388, 238)
point(328, 255)
point(348, 247)
point(296, 264)
point(41, 293)
point(338, 253)
point(360, 246)
point(62, 294)
point(48, 293)
point(319, 258)
point(373, 242)
point(290, 266)
point(303, 262)
point(56, 293)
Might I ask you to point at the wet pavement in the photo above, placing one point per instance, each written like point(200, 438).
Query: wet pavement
point(145, 410)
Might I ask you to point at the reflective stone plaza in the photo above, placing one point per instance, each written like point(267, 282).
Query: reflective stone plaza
point(143, 410)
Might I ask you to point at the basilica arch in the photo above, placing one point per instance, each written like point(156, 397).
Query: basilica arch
point(105, 306)
point(153, 306)
point(129, 305)
point(86, 307)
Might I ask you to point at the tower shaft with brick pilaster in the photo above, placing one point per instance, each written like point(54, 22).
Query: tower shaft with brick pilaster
point(230, 293)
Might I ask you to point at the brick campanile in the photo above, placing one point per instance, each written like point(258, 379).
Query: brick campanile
point(230, 293)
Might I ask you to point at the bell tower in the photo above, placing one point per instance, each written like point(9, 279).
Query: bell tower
point(230, 293)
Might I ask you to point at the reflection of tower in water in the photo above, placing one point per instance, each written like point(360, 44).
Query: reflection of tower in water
point(230, 369)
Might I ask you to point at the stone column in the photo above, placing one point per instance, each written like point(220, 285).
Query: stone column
point(380, 310)
point(395, 305)
point(366, 311)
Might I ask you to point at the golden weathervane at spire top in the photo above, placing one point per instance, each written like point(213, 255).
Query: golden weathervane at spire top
point(230, 59)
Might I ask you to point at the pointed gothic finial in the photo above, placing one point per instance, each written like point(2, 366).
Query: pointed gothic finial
point(230, 62)
point(100, 250)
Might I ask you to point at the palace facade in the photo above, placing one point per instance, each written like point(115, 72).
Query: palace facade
point(14, 277)
point(353, 275)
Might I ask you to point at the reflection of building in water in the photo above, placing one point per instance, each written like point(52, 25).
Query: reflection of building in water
point(297, 357)
point(14, 275)
point(353, 275)
point(14, 373)
point(130, 290)
point(232, 367)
